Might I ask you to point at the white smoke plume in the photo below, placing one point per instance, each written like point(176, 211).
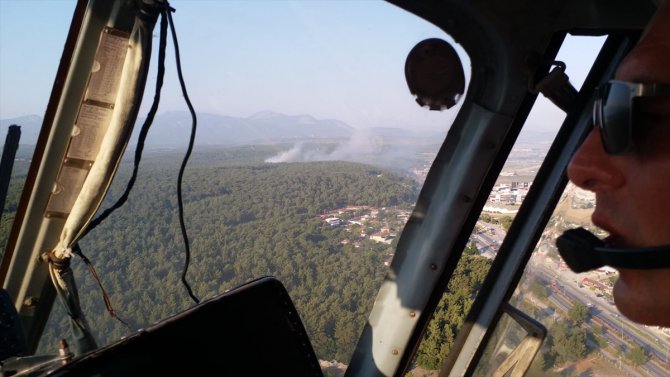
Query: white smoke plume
point(359, 145)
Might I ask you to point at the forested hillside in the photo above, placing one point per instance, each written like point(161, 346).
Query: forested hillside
point(450, 312)
point(246, 219)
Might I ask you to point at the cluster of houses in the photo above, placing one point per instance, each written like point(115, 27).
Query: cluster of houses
point(513, 193)
point(367, 223)
point(509, 193)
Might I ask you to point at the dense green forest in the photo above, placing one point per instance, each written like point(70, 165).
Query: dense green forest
point(450, 312)
point(245, 219)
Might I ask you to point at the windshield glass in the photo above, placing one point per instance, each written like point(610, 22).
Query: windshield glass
point(586, 334)
point(309, 155)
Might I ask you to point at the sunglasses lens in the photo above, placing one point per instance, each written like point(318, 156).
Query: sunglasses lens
point(613, 115)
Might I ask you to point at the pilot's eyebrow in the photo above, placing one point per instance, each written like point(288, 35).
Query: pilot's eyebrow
point(655, 106)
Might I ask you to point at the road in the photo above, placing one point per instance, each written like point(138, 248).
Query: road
point(603, 312)
point(488, 241)
point(619, 331)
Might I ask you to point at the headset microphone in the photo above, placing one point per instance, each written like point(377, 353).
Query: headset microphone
point(583, 251)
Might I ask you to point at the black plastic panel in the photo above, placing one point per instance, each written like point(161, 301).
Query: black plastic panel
point(253, 330)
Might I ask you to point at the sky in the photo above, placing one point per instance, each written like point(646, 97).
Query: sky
point(330, 59)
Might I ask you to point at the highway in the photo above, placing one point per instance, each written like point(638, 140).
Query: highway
point(619, 331)
point(568, 290)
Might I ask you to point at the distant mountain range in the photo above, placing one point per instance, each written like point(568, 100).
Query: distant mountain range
point(172, 129)
point(30, 128)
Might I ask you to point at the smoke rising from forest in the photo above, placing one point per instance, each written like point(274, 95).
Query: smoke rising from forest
point(361, 144)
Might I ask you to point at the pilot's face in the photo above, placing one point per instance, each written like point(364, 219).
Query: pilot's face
point(633, 189)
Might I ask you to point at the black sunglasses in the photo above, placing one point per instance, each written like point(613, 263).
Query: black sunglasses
point(613, 111)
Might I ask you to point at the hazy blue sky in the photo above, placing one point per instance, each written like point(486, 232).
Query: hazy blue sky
point(329, 59)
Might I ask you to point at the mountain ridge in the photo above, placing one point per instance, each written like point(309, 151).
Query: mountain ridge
point(260, 128)
point(216, 129)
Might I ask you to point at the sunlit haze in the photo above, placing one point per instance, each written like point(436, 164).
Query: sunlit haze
point(339, 60)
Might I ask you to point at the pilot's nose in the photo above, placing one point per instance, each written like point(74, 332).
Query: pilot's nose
point(591, 168)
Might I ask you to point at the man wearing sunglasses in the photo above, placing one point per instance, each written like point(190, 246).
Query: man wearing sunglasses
point(625, 161)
